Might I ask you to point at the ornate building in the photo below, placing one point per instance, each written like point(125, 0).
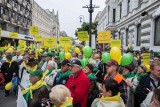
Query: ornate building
point(135, 22)
point(47, 21)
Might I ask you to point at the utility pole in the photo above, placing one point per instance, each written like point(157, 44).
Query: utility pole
point(90, 10)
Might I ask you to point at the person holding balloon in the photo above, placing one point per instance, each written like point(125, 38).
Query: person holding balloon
point(9, 69)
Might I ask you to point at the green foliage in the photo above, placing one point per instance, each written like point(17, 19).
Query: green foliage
point(85, 27)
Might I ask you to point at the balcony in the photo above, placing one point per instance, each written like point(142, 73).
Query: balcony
point(4, 17)
point(12, 20)
point(9, 5)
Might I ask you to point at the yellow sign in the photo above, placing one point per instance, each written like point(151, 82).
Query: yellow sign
point(38, 38)
point(34, 30)
point(104, 37)
point(83, 36)
point(22, 43)
point(50, 42)
point(116, 43)
point(146, 58)
point(65, 41)
point(0, 33)
point(13, 35)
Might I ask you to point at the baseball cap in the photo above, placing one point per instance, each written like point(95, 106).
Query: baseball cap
point(75, 62)
point(65, 62)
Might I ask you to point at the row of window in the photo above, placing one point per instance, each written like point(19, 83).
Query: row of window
point(156, 34)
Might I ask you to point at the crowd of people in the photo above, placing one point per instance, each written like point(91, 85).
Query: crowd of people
point(48, 80)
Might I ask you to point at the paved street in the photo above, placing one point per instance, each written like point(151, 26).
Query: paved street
point(9, 101)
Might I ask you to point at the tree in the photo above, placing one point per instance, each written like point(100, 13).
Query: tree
point(85, 27)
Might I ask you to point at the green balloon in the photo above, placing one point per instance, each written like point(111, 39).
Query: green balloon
point(106, 57)
point(61, 55)
point(87, 51)
point(84, 62)
point(126, 59)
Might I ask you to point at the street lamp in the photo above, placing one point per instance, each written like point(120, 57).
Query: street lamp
point(90, 10)
point(81, 17)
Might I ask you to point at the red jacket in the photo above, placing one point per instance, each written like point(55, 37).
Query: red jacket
point(79, 87)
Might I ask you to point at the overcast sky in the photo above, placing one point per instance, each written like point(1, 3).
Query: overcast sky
point(69, 12)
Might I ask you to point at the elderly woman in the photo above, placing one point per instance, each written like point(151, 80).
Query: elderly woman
point(49, 74)
point(60, 96)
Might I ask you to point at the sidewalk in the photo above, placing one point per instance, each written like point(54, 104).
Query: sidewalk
point(9, 101)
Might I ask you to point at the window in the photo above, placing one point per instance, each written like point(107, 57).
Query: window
point(139, 35)
point(157, 32)
point(120, 7)
point(108, 13)
point(114, 15)
point(127, 31)
point(128, 8)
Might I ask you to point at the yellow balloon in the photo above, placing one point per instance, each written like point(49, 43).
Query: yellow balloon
point(68, 55)
point(116, 54)
point(148, 68)
point(8, 86)
point(77, 50)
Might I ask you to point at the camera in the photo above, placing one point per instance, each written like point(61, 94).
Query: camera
point(44, 102)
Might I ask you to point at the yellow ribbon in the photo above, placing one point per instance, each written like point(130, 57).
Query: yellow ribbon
point(44, 74)
point(114, 98)
point(10, 63)
point(67, 103)
point(32, 87)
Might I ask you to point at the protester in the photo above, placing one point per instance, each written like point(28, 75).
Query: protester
point(112, 67)
point(148, 82)
point(9, 69)
point(78, 84)
point(129, 76)
point(37, 89)
point(18, 58)
point(110, 95)
point(63, 74)
point(60, 96)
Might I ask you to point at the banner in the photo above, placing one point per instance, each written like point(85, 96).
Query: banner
point(146, 58)
point(50, 42)
point(65, 41)
point(83, 36)
point(13, 35)
point(21, 102)
point(38, 38)
point(34, 30)
point(116, 43)
point(22, 43)
point(104, 37)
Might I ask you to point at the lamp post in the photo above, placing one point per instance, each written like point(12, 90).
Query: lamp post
point(90, 10)
point(80, 18)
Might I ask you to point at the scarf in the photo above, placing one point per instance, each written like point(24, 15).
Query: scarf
point(61, 75)
point(128, 75)
point(24, 64)
point(31, 88)
point(117, 77)
point(46, 73)
point(32, 68)
point(115, 98)
point(10, 63)
point(68, 103)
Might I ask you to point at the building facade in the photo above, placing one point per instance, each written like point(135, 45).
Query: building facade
point(15, 16)
point(47, 21)
point(135, 22)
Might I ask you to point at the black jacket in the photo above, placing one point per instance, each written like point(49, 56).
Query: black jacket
point(141, 90)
